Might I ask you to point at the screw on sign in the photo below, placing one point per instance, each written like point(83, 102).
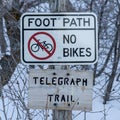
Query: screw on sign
point(41, 45)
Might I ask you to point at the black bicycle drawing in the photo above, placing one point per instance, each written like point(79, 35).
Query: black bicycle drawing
point(36, 47)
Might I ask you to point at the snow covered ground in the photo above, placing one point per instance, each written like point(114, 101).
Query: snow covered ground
point(109, 111)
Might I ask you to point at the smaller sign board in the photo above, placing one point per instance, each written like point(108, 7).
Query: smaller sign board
point(60, 89)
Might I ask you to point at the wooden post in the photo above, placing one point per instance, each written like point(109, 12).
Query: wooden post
point(61, 114)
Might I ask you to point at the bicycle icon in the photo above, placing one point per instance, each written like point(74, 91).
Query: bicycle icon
point(41, 46)
point(44, 45)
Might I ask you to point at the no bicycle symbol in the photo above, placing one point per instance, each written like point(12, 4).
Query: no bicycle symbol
point(41, 45)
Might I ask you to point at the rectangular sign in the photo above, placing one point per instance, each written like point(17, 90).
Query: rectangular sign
point(59, 38)
point(60, 89)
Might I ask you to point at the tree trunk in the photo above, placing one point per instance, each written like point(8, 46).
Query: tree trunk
point(2, 40)
point(9, 62)
point(115, 62)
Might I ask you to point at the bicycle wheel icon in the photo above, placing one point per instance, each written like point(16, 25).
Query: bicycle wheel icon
point(41, 45)
point(34, 47)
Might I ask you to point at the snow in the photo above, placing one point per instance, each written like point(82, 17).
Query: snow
point(109, 111)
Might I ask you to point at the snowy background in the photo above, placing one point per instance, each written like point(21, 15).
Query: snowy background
point(14, 98)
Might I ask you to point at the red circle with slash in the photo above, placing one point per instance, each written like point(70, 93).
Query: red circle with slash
point(48, 53)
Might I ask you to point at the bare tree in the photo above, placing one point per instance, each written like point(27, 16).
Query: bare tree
point(13, 73)
point(116, 57)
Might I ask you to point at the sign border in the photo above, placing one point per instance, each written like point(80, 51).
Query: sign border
point(60, 62)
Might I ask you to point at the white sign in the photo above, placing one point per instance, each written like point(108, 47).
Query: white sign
point(60, 89)
point(59, 38)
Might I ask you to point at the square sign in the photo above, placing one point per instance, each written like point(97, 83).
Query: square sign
point(59, 38)
point(60, 89)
